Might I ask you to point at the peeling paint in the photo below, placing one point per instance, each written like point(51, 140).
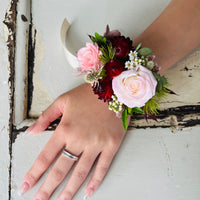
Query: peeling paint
point(26, 77)
point(177, 118)
point(31, 60)
point(40, 95)
point(10, 35)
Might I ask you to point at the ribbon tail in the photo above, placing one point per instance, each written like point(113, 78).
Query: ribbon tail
point(72, 59)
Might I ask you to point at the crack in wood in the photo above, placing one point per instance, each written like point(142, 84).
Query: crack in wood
point(178, 117)
point(31, 60)
point(10, 23)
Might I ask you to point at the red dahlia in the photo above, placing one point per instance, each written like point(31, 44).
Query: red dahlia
point(104, 89)
point(122, 45)
point(114, 68)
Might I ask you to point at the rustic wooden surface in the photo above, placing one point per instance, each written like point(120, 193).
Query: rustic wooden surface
point(156, 160)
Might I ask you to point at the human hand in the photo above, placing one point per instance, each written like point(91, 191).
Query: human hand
point(87, 129)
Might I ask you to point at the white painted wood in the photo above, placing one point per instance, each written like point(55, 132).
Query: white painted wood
point(4, 106)
point(151, 164)
point(55, 75)
point(21, 59)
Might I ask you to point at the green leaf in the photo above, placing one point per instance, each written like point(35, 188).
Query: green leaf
point(145, 51)
point(151, 107)
point(111, 51)
point(98, 37)
point(104, 40)
point(101, 41)
point(108, 53)
point(93, 39)
point(137, 110)
point(124, 118)
point(129, 111)
point(162, 81)
point(138, 46)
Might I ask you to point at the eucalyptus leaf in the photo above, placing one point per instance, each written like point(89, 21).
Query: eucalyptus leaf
point(137, 110)
point(138, 46)
point(124, 119)
point(145, 51)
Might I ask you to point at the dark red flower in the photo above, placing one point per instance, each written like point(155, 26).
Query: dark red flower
point(122, 45)
point(110, 34)
point(114, 68)
point(104, 89)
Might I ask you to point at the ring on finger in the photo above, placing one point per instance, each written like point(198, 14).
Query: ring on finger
point(69, 155)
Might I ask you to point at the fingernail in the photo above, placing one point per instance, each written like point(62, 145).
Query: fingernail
point(89, 192)
point(37, 198)
point(24, 188)
point(86, 197)
point(62, 198)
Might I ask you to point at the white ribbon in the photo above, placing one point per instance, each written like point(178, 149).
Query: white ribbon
point(72, 59)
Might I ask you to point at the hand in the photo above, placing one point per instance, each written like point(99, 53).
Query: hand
point(87, 129)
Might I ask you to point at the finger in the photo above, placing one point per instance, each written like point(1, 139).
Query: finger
point(55, 177)
point(101, 169)
point(79, 174)
point(43, 161)
point(54, 111)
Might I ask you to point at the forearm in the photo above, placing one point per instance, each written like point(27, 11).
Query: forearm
point(174, 33)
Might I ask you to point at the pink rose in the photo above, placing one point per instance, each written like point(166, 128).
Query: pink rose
point(134, 88)
point(88, 57)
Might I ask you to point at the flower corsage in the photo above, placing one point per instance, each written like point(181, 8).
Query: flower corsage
point(123, 75)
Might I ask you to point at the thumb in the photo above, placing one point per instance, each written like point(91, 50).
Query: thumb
point(54, 111)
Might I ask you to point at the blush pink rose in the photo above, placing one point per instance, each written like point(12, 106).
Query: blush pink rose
point(134, 87)
point(88, 57)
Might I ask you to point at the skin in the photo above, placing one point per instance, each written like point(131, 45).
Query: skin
point(87, 128)
point(100, 135)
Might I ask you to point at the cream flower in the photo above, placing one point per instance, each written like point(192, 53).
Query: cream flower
point(134, 87)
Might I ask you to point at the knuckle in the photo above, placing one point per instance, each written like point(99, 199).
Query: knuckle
point(96, 181)
point(43, 161)
point(81, 175)
point(104, 169)
point(58, 175)
point(43, 194)
point(30, 176)
point(67, 195)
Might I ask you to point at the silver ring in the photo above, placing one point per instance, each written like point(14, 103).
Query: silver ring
point(69, 155)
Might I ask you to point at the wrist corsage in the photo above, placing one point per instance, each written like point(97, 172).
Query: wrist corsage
point(123, 75)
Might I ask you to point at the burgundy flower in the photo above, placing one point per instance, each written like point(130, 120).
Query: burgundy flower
point(110, 34)
point(104, 89)
point(122, 45)
point(114, 68)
